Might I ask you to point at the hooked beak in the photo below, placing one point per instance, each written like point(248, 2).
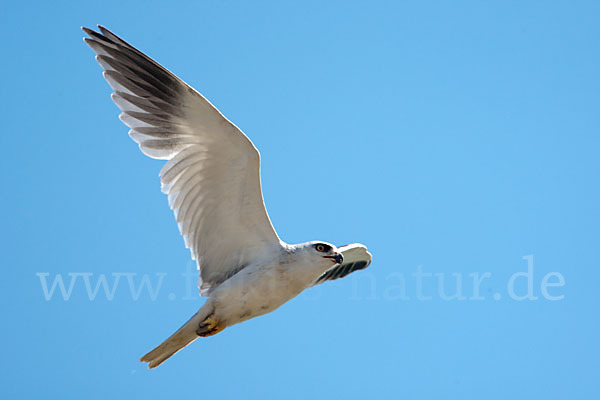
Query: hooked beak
point(338, 258)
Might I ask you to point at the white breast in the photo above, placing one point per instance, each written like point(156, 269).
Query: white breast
point(260, 289)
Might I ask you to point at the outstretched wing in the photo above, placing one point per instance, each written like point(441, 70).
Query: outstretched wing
point(212, 176)
point(356, 257)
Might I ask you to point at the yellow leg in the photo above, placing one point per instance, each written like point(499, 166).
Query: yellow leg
point(210, 326)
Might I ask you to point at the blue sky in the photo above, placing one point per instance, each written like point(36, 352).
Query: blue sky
point(457, 140)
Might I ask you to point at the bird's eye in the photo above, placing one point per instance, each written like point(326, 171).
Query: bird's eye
point(321, 248)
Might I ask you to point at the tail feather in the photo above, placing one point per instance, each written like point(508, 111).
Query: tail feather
point(177, 341)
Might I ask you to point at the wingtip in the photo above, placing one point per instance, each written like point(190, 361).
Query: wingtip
point(90, 42)
point(87, 30)
point(104, 30)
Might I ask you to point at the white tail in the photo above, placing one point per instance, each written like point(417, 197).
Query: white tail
point(177, 341)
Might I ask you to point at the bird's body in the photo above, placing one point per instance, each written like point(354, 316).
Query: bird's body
point(212, 178)
point(264, 286)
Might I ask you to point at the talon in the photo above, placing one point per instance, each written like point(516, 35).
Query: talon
point(210, 326)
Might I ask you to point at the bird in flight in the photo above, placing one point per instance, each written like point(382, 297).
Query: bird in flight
point(212, 179)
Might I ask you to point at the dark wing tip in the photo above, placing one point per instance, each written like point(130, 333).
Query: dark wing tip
point(104, 30)
point(342, 270)
point(88, 32)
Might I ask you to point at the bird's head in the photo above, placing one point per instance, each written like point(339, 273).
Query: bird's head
point(322, 252)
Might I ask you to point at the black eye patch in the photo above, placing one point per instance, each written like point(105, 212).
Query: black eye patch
point(322, 247)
